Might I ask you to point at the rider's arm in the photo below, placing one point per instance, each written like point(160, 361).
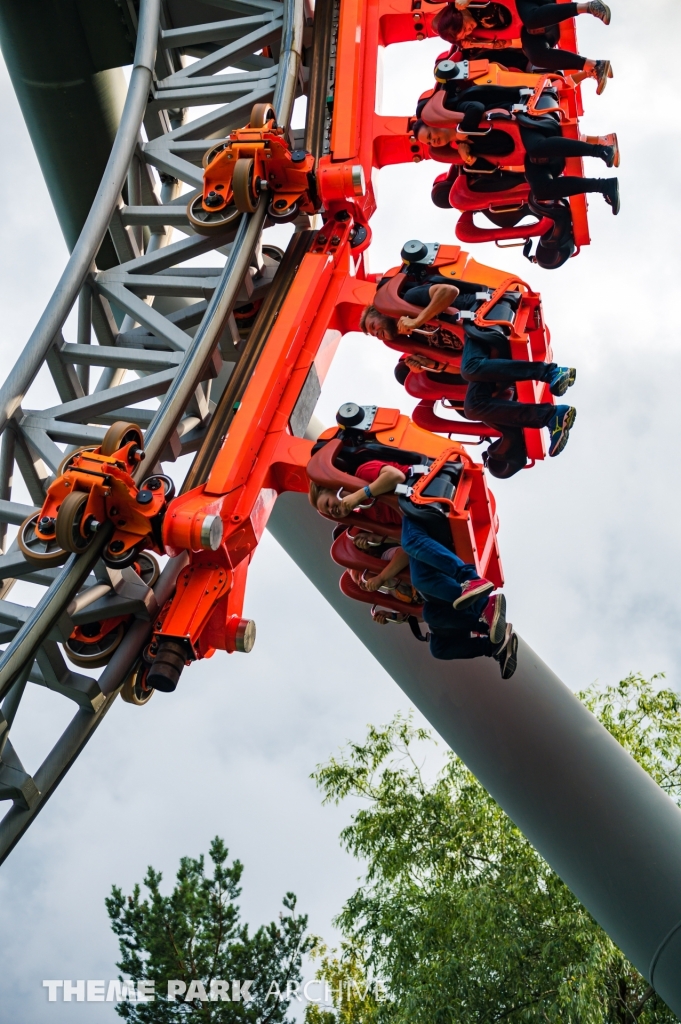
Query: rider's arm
point(441, 297)
point(385, 483)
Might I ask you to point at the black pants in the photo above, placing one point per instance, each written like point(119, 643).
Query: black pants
point(482, 403)
point(540, 48)
point(538, 14)
point(540, 51)
point(450, 636)
point(546, 178)
point(477, 364)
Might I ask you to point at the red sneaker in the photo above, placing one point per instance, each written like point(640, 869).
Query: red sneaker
point(495, 617)
point(471, 590)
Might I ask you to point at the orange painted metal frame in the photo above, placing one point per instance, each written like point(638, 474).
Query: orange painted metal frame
point(260, 458)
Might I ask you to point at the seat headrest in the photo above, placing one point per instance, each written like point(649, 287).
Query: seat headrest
point(435, 114)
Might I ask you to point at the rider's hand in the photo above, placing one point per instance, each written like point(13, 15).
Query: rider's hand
point(405, 325)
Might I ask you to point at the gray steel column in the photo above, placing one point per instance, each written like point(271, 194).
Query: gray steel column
point(598, 819)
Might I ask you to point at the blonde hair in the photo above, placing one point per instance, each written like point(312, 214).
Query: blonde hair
point(313, 493)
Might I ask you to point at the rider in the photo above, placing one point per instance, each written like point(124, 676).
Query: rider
point(545, 156)
point(457, 600)
point(484, 365)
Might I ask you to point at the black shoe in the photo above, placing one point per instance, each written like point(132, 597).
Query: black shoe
point(611, 194)
point(507, 653)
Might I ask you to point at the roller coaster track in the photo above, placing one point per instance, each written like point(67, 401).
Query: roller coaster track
point(187, 358)
point(173, 361)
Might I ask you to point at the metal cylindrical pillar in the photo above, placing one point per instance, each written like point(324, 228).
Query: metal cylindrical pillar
point(65, 61)
point(598, 819)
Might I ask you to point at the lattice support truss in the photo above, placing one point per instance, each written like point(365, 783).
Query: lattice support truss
point(138, 349)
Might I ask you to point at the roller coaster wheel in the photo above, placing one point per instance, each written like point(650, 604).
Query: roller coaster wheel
point(359, 236)
point(66, 462)
point(274, 252)
point(134, 689)
point(261, 114)
point(121, 433)
point(211, 153)
point(128, 557)
point(44, 553)
point(243, 185)
point(69, 521)
point(283, 218)
point(147, 568)
point(152, 484)
point(509, 218)
point(98, 652)
point(210, 222)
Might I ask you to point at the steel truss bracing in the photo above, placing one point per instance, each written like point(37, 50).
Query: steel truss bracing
point(156, 344)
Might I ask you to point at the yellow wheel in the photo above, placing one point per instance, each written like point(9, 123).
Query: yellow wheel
point(69, 523)
point(243, 186)
point(121, 433)
point(261, 114)
point(134, 689)
point(210, 222)
point(98, 652)
point(44, 553)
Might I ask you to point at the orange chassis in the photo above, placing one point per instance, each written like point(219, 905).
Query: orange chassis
point(260, 457)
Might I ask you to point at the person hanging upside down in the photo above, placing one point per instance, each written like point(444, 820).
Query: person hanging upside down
point(545, 156)
point(486, 366)
point(457, 599)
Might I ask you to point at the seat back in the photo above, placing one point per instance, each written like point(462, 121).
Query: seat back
point(436, 115)
point(467, 231)
point(463, 198)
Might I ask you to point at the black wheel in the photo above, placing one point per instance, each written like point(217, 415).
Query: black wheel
point(122, 561)
point(152, 483)
point(135, 689)
point(95, 653)
point(121, 433)
point(274, 252)
point(261, 113)
point(210, 222)
point(147, 568)
point(69, 533)
point(282, 218)
point(44, 553)
point(244, 187)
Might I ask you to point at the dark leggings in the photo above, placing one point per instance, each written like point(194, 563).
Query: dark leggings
point(540, 48)
point(535, 14)
point(542, 54)
point(545, 179)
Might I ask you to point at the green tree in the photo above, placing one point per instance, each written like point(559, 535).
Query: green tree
point(456, 912)
point(195, 934)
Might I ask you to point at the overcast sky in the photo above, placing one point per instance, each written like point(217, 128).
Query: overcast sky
point(589, 541)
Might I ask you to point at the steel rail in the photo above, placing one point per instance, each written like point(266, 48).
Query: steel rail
point(51, 608)
point(85, 250)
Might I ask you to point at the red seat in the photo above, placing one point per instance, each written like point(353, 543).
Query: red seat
point(350, 589)
point(462, 197)
point(467, 231)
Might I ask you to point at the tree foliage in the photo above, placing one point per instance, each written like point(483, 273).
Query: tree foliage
point(195, 933)
point(457, 913)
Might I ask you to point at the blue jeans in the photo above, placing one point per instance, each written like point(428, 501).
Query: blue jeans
point(435, 570)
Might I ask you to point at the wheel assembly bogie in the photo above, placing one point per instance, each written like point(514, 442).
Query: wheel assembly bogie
point(97, 486)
